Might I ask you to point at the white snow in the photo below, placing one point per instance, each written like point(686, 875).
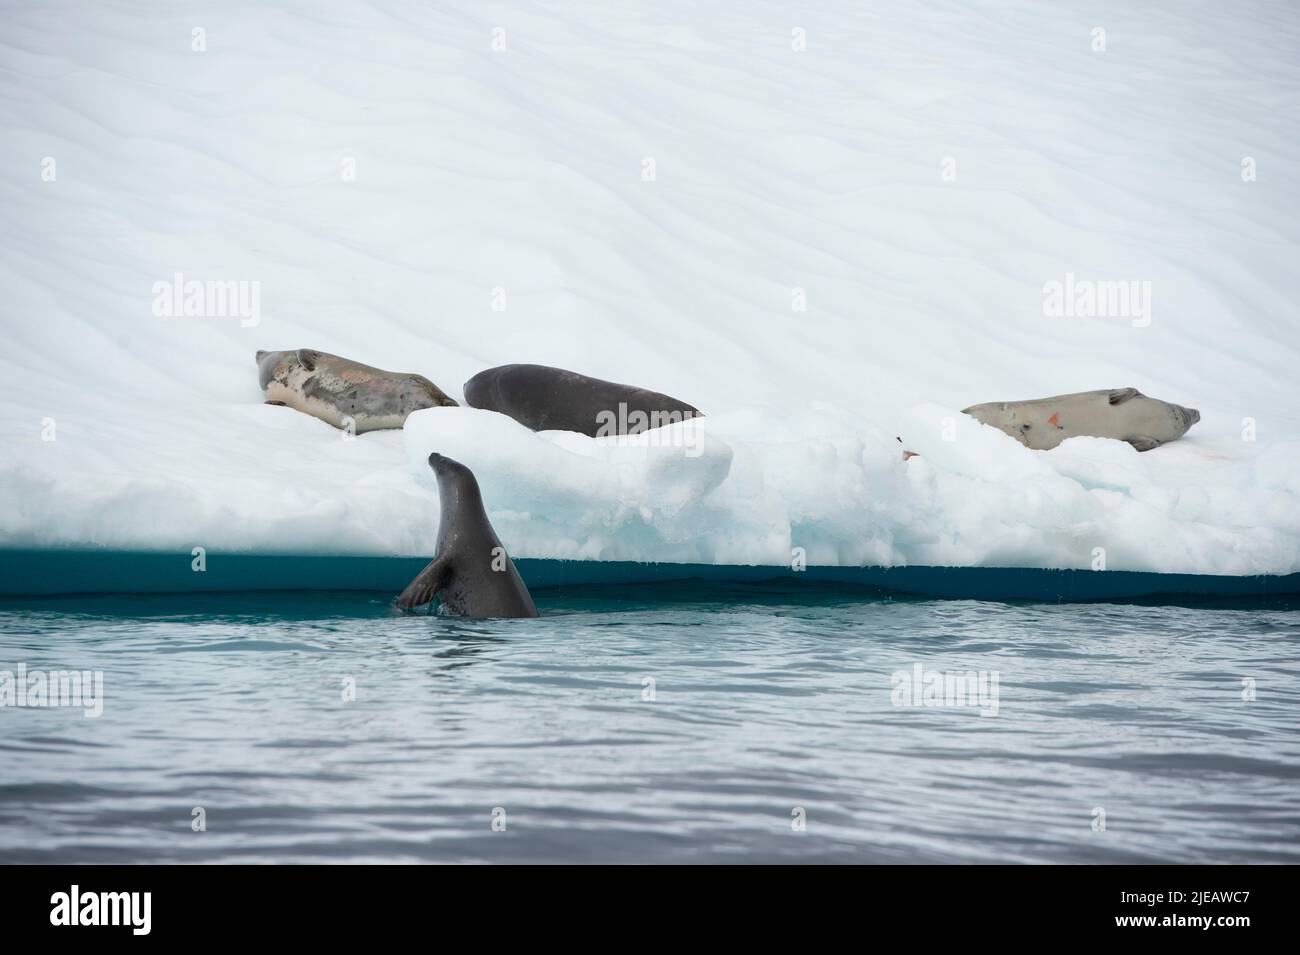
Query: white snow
point(487, 178)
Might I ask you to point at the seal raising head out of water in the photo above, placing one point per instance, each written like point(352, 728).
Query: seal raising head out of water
point(1124, 413)
point(342, 392)
point(472, 575)
point(552, 399)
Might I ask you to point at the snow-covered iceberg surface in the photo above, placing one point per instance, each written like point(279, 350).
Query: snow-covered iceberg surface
point(825, 234)
point(822, 489)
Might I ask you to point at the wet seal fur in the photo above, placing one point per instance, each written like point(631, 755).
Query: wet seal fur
point(337, 390)
point(1122, 413)
point(552, 399)
point(472, 575)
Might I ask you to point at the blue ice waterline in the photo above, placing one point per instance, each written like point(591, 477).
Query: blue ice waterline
point(47, 572)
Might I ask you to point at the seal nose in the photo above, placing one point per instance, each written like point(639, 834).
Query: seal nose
point(1193, 416)
point(434, 459)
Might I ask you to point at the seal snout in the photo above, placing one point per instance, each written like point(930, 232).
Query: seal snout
point(443, 466)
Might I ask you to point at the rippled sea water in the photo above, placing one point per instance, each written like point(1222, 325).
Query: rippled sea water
point(766, 710)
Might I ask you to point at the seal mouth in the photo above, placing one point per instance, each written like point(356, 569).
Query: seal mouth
point(435, 459)
point(1192, 416)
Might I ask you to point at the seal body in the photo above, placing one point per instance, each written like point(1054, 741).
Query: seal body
point(343, 392)
point(472, 575)
point(552, 399)
point(1123, 413)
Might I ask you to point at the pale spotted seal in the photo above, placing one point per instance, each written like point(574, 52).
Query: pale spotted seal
point(342, 392)
point(1123, 413)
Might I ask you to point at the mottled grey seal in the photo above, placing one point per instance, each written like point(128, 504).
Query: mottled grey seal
point(1124, 413)
point(337, 389)
point(552, 399)
point(471, 575)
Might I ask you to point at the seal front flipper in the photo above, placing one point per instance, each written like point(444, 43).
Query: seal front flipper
point(426, 584)
point(1121, 395)
point(1144, 444)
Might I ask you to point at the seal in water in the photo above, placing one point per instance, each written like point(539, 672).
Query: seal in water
point(1124, 413)
point(552, 399)
point(472, 574)
point(339, 390)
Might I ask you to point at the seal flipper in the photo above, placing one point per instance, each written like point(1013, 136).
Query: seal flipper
point(426, 584)
point(1144, 444)
point(1121, 395)
point(307, 357)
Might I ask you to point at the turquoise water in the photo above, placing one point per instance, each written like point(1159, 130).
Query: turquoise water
point(768, 708)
